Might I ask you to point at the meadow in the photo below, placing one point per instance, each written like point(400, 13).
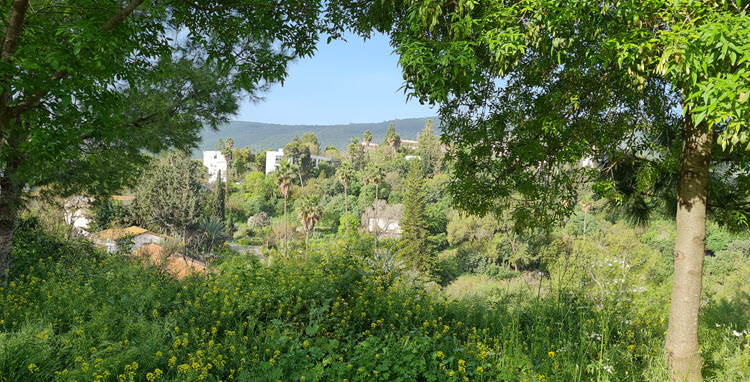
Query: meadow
point(73, 313)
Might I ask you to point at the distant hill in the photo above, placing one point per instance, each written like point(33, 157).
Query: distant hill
point(271, 136)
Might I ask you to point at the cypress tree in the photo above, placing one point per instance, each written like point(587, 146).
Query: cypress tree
point(415, 246)
point(219, 203)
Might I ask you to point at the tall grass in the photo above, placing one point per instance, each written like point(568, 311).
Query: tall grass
point(72, 313)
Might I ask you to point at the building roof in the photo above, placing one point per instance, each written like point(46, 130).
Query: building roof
point(178, 265)
point(117, 233)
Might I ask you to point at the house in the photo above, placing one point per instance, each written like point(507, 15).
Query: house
point(177, 265)
point(405, 143)
point(215, 161)
point(76, 212)
point(318, 159)
point(369, 145)
point(385, 220)
point(273, 160)
point(141, 238)
point(387, 227)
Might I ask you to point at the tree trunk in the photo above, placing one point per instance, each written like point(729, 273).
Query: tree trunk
point(375, 211)
point(10, 201)
point(286, 229)
point(682, 348)
point(346, 211)
point(512, 248)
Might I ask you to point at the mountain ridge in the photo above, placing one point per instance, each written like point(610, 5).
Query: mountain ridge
point(261, 136)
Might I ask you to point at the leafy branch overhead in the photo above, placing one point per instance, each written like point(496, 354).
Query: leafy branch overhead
point(88, 88)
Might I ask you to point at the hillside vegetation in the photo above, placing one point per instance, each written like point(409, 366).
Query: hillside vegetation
point(259, 136)
point(75, 313)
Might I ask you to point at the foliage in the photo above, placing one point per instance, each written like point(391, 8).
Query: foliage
point(429, 150)
point(415, 246)
point(298, 153)
point(311, 140)
point(333, 317)
point(212, 235)
point(260, 136)
point(529, 90)
point(107, 213)
point(169, 197)
point(218, 200)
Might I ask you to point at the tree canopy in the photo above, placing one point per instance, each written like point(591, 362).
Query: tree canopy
point(528, 90)
point(86, 89)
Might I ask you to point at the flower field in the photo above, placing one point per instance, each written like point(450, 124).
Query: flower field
point(74, 314)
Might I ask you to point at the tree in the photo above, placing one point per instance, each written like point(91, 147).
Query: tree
point(220, 145)
point(107, 213)
point(298, 153)
point(527, 89)
point(345, 174)
point(309, 213)
point(376, 176)
point(86, 91)
point(367, 138)
point(356, 153)
point(169, 196)
point(391, 138)
point(284, 175)
point(311, 141)
point(218, 203)
point(414, 237)
point(395, 142)
point(365, 176)
point(429, 150)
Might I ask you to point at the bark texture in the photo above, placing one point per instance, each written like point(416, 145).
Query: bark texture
point(682, 348)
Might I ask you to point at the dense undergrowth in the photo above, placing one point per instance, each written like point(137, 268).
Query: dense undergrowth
point(73, 313)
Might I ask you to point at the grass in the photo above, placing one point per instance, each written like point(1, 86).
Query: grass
point(72, 313)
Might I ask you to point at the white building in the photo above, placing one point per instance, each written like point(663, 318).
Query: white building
point(273, 160)
point(215, 162)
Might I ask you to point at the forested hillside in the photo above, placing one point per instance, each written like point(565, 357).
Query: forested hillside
point(260, 136)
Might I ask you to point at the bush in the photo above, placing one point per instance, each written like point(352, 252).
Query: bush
point(74, 313)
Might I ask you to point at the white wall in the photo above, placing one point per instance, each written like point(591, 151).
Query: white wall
point(214, 161)
point(273, 159)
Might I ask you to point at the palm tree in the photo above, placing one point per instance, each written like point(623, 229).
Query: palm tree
point(395, 142)
point(376, 175)
point(309, 213)
point(284, 176)
point(214, 234)
point(367, 138)
point(345, 174)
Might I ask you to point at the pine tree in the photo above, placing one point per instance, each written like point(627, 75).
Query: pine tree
point(415, 246)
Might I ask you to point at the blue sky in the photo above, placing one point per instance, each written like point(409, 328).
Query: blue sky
point(344, 82)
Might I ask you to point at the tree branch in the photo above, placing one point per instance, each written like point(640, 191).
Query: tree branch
point(225, 6)
point(13, 30)
point(121, 15)
point(34, 99)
